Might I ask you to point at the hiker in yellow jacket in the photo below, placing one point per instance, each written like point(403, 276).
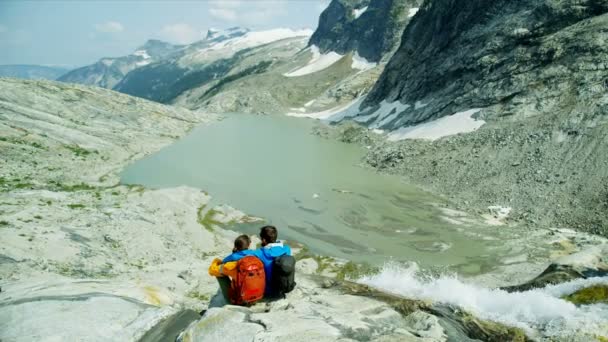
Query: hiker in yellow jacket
point(225, 270)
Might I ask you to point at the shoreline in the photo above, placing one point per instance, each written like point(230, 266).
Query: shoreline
point(442, 168)
point(75, 250)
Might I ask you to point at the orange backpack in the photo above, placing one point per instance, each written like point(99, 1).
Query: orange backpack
point(250, 282)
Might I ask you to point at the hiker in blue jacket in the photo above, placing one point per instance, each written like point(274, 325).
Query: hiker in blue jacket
point(270, 250)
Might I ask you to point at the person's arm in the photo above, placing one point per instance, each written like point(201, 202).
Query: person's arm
point(288, 250)
point(229, 269)
point(215, 268)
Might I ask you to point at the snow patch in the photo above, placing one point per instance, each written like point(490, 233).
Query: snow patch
point(361, 63)
point(419, 105)
point(413, 12)
point(332, 114)
point(317, 63)
point(107, 61)
point(255, 38)
point(357, 12)
point(497, 215)
point(142, 53)
point(387, 112)
point(226, 48)
point(461, 122)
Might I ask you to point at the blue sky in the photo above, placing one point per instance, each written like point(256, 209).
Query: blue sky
point(75, 33)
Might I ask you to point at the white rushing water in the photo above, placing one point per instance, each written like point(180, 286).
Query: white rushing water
point(539, 311)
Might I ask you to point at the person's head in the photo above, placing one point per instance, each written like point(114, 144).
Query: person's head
point(268, 234)
point(241, 243)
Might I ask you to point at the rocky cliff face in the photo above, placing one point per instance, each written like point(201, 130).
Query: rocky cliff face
point(107, 72)
point(522, 57)
point(537, 70)
point(372, 28)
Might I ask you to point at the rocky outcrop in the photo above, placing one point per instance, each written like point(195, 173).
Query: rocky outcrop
point(372, 28)
point(526, 58)
point(76, 245)
point(109, 71)
point(329, 310)
point(536, 69)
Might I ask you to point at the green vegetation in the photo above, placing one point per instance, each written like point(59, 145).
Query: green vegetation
point(78, 151)
point(256, 69)
point(23, 186)
point(589, 295)
point(197, 295)
point(324, 263)
point(16, 141)
point(113, 243)
point(72, 187)
point(137, 188)
point(207, 220)
point(304, 253)
point(76, 206)
point(140, 264)
point(78, 271)
point(4, 223)
point(352, 270)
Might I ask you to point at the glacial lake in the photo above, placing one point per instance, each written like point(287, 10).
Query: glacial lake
point(315, 192)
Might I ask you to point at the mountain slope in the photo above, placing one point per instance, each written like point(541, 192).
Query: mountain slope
point(460, 55)
point(198, 64)
point(107, 72)
point(372, 28)
point(535, 74)
point(31, 71)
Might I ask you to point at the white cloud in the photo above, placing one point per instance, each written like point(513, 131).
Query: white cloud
point(247, 12)
point(323, 5)
point(223, 14)
point(224, 9)
point(109, 27)
point(180, 33)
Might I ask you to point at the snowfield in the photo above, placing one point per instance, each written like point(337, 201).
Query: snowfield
point(317, 63)
point(357, 12)
point(361, 63)
point(461, 122)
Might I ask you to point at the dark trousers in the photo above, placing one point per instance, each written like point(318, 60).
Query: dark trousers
point(224, 283)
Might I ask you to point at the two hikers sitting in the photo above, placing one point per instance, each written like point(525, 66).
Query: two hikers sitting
point(246, 276)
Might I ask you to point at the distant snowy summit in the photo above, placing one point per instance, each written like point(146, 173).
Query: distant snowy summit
point(109, 71)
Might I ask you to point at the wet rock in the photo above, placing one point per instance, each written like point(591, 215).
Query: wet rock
point(425, 325)
point(589, 295)
point(557, 274)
